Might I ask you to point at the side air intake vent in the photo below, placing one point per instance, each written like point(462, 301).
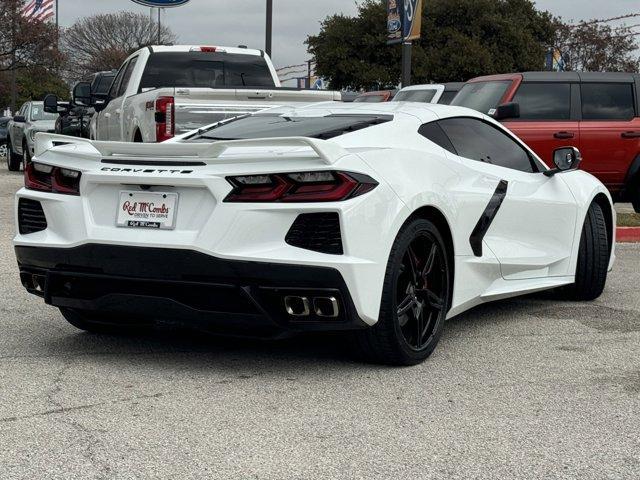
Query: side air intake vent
point(30, 216)
point(319, 232)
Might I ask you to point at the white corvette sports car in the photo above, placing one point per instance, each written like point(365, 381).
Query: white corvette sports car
point(383, 219)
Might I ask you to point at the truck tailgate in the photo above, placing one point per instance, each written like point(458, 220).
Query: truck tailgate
point(197, 107)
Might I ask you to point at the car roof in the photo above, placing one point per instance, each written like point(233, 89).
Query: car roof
point(453, 86)
point(585, 77)
point(220, 48)
point(424, 86)
point(424, 112)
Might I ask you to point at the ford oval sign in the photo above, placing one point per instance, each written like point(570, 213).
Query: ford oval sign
point(161, 3)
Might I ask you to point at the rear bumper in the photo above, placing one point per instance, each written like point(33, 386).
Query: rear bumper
point(184, 287)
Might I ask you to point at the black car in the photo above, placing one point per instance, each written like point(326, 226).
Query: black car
point(74, 119)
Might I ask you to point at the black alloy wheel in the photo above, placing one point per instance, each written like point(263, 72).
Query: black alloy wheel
point(420, 291)
point(416, 297)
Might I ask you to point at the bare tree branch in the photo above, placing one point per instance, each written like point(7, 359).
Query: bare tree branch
point(591, 46)
point(25, 43)
point(102, 42)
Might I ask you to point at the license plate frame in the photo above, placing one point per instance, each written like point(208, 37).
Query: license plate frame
point(148, 210)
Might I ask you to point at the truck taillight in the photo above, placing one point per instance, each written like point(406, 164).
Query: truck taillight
point(165, 118)
point(38, 176)
point(323, 186)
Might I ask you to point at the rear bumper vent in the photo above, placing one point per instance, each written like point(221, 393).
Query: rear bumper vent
point(30, 216)
point(319, 232)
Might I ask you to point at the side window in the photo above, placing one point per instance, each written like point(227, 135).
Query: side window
point(474, 139)
point(544, 101)
point(607, 101)
point(432, 131)
point(127, 76)
point(113, 92)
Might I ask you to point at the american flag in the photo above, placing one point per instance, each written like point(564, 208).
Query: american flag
point(38, 9)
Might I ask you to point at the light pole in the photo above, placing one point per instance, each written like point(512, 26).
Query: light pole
point(269, 29)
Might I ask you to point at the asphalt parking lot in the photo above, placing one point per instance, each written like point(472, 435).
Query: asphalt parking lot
point(520, 389)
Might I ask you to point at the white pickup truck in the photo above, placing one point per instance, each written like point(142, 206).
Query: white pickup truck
point(164, 91)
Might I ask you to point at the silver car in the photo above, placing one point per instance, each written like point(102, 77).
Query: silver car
point(21, 131)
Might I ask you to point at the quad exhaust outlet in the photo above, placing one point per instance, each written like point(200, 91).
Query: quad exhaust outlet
point(299, 306)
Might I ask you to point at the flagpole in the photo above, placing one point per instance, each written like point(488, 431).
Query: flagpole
point(57, 28)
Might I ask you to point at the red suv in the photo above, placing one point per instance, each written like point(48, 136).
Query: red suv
point(597, 112)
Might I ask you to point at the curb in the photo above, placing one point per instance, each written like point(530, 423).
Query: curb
point(628, 234)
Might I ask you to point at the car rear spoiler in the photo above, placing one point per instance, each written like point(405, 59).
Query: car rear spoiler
point(328, 152)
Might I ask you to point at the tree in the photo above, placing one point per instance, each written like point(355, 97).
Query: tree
point(27, 47)
point(594, 47)
point(103, 42)
point(32, 84)
point(461, 39)
point(25, 43)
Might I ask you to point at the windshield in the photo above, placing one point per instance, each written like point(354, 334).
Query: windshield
point(205, 70)
point(481, 96)
point(266, 126)
point(37, 113)
point(424, 96)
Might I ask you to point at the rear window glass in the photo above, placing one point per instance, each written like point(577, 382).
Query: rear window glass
point(205, 70)
point(265, 126)
point(607, 101)
point(446, 98)
point(481, 96)
point(424, 96)
point(544, 101)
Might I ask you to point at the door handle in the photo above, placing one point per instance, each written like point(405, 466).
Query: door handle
point(107, 115)
point(118, 112)
point(630, 134)
point(563, 135)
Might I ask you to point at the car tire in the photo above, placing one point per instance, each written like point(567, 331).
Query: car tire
point(635, 196)
point(96, 323)
point(416, 297)
point(13, 160)
point(593, 259)
point(26, 155)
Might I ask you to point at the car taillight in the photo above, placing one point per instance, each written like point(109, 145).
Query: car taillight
point(165, 118)
point(327, 186)
point(38, 176)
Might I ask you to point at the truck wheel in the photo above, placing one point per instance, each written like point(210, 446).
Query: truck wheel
point(96, 323)
point(593, 259)
point(26, 155)
point(635, 196)
point(415, 298)
point(13, 159)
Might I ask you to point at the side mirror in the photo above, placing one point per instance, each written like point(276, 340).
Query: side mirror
point(19, 119)
point(82, 94)
point(506, 110)
point(565, 159)
point(51, 103)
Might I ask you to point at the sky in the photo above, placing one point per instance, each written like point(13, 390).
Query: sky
point(242, 22)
